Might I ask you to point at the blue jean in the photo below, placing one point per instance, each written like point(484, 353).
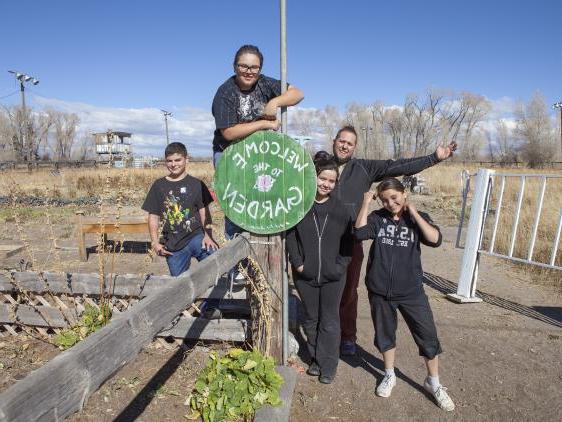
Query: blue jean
point(180, 261)
point(230, 229)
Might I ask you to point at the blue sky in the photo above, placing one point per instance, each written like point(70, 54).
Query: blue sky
point(114, 57)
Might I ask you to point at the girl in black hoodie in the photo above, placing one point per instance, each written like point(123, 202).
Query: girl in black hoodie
point(318, 248)
point(394, 281)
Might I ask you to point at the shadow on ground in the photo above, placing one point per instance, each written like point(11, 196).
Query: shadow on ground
point(548, 315)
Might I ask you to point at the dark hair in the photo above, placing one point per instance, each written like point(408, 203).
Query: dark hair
point(175, 148)
point(347, 128)
point(248, 49)
point(325, 161)
point(390, 183)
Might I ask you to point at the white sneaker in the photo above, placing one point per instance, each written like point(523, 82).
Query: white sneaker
point(441, 396)
point(386, 385)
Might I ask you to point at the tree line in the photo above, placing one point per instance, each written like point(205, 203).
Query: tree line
point(531, 135)
point(32, 135)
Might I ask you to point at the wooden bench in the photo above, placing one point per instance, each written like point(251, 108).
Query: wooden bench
point(111, 224)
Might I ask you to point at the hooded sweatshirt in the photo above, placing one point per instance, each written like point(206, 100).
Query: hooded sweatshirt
point(394, 267)
point(321, 242)
point(358, 175)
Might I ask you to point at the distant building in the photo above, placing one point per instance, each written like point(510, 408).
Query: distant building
point(113, 146)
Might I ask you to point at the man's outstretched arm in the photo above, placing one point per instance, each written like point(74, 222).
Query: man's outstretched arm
point(379, 169)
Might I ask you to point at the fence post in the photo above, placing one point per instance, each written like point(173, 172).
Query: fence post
point(466, 290)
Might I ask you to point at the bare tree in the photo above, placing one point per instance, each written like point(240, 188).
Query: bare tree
point(395, 124)
point(330, 121)
point(535, 130)
point(379, 143)
point(303, 121)
point(505, 144)
point(84, 148)
point(65, 132)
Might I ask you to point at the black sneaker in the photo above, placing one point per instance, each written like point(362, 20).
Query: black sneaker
point(348, 348)
point(326, 379)
point(313, 369)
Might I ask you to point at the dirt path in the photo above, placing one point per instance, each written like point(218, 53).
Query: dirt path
point(502, 357)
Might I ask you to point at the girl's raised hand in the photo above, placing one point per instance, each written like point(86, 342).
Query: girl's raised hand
point(411, 208)
point(368, 197)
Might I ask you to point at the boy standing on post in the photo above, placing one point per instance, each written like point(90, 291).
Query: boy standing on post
point(181, 203)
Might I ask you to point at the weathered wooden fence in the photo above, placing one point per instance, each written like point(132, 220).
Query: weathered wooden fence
point(63, 385)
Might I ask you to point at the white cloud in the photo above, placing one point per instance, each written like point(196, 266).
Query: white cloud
point(194, 127)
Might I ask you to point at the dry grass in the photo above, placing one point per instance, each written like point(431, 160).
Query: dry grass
point(117, 186)
point(80, 183)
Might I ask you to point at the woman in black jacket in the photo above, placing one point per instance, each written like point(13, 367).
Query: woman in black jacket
point(317, 250)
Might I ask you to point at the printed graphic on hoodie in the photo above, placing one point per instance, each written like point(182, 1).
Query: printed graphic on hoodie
point(395, 235)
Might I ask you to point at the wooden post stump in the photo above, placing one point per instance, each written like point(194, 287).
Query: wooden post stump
point(269, 254)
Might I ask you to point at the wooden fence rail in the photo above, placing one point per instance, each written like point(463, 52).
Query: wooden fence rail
point(63, 385)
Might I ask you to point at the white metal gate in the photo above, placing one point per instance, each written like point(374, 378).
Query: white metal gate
point(480, 215)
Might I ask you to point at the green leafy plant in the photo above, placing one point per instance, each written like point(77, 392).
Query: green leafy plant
point(234, 386)
point(92, 319)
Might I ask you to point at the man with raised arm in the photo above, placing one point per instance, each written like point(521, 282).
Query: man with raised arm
point(356, 177)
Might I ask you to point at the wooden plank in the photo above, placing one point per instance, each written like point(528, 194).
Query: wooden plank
point(187, 327)
point(222, 289)
point(270, 255)
point(63, 385)
point(37, 316)
point(111, 224)
point(208, 329)
point(7, 251)
point(112, 220)
point(112, 228)
point(126, 285)
point(269, 413)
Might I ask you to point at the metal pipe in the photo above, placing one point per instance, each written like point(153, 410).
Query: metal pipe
point(285, 292)
point(465, 188)
point(556, 239)
point(498, 210)
point(516, 223)
point(550, 176)
point(537, 218)
point(522, 260)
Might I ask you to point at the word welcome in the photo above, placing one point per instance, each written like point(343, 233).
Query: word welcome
point(268, 147)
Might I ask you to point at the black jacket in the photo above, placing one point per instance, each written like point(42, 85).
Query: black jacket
point(358, 175)
point(394, 267)
point(325, 258)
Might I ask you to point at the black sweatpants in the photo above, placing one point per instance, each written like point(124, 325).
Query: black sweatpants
point(418, 316)
point(322, 322)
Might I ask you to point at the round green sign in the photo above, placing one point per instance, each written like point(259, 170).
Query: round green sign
point(266, 182)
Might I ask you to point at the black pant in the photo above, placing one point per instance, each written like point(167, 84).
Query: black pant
point(322, 322)
point(418, 316)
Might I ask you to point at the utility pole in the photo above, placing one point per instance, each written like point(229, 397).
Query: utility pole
point(166, 114)
point(558, 105)
point(25, 142)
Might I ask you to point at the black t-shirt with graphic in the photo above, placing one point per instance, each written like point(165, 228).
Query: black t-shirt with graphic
point(178, 204)
point(232, 105)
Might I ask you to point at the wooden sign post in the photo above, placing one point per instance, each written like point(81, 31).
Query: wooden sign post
point(266, 184)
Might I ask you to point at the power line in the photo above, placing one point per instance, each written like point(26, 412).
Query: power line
point(9, 95)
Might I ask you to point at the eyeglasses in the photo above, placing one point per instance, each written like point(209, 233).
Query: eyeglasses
point(245, 68)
